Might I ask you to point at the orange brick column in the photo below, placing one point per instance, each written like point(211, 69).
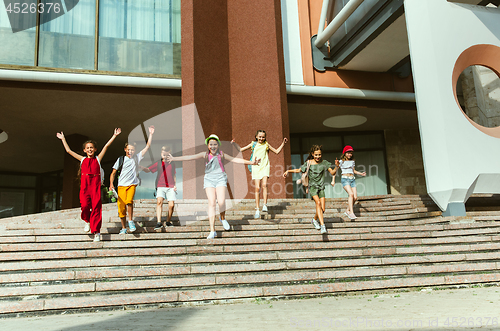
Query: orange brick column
point(233, 71)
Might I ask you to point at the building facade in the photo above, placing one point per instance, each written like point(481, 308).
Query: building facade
point(332, 73)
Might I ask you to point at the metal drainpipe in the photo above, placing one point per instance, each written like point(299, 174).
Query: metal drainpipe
point(324, 12)
point(349, 93)
point(89, 79)
point(166, 83)
point(337, 22)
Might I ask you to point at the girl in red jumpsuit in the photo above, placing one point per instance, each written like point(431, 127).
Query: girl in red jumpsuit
point(90, 187)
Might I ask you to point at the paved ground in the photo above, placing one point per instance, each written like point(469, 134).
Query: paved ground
point(457, 309)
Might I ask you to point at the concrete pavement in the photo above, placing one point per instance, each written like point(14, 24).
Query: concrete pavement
point(427, 309)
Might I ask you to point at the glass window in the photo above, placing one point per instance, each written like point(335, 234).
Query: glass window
point(68, 40)
point(14, 202)
point(371, 160)
point(297, 189)
point(307, 143)
point(139, 36)
point(17, 48)
point(365, 141)
point(295, 145)
point(333, 143)
point(17, 181)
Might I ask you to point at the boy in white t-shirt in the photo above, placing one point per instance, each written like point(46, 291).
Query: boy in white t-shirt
point(128, 180)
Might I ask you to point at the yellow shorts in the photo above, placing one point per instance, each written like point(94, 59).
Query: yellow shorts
point(125, 197)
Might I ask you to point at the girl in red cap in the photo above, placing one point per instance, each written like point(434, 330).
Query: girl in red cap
point(348, 181)
point(316, 168)
point(215, 180)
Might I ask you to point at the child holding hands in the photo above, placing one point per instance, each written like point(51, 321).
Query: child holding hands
point(128, 179)
point(317, 168)
point(348, 181)
point(165, 186)
point(215, 180)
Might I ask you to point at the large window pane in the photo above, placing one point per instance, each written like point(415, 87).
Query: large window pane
point(68, 41)
point(17, 181)
point(371, 159)
point(16, 48)
point(15, 202)
point(365, 141)
point(139, 36)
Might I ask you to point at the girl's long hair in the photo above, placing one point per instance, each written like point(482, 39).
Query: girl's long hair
point(343, 157)
point(260, 131)
point(314, 148)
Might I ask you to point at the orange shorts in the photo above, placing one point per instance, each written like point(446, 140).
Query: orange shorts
point(125, 197)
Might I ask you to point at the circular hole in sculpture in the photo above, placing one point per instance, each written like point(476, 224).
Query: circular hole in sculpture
point(478, 94)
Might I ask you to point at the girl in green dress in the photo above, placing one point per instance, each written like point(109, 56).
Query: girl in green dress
point(316, 174)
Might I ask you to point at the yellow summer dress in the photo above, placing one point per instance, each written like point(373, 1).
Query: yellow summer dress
point(263, 169)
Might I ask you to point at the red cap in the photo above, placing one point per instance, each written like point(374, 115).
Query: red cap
point(347, 149)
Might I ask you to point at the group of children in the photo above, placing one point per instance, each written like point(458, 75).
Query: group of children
point(215, 179)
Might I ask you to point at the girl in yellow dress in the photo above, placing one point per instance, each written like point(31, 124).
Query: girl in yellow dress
point(260, 150)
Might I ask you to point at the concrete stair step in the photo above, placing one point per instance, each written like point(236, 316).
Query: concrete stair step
point(157, 281)
point(319, 258)
point(174, 251)
point(48, 264)
point(314, 286)
point(278, 230)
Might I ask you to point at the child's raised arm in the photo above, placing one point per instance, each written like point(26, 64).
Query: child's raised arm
point(333, 171)
point(291, 170)
point(105, 148)
point(241, 149)
point(171, 158)
point(278, 150)
point(60, 135)
point(238, 160)
point(359, 173)
point(150, 139)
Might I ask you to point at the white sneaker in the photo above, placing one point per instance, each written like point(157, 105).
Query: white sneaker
point(131, 226)
point(97, 237)
point(323, 229)
point(212, 235)
point(123, 231)
point(225, 224)
point(264, 209)
point(257, 214)
point(316, 224)
point(87, 227)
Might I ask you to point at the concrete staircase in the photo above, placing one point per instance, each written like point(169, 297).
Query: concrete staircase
point(47, 263)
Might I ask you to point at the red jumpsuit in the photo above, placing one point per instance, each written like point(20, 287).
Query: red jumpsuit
point(90, 194)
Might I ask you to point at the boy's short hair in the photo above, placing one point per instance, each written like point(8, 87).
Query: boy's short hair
point(166, 148)
point(130, 144)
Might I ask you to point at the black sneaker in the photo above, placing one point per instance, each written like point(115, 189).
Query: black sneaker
point(169, 224)
point(158, 226)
